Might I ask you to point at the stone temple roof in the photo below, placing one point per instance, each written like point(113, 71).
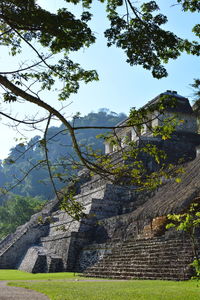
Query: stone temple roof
point(183, 104)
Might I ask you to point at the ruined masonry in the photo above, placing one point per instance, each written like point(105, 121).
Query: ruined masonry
point(124, 234)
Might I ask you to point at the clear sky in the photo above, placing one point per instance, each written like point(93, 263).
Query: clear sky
point(121, 86)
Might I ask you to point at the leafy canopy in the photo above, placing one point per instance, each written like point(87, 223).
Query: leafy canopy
point(139, 30)
point(17, 210)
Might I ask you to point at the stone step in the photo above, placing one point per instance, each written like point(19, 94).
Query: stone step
point(158, 239)
point(136, 263)
point(143, 261)
point(135, 272)
point(143, 245)
point(139, 262)
point(119, 277)
point(105, 201)
point(139, 268)
point(152, 243)
point(150, 251)
point(153, 247)
point(147, 260)
point(132, 269)
point(140, 275)
point(135, 256)
point(161, 269)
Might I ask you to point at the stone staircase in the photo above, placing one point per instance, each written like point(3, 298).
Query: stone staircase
point(157, 258)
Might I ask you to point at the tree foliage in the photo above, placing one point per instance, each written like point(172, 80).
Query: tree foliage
point(189, 222)
point(196, 89)
point(15, 211)
point(53, 36)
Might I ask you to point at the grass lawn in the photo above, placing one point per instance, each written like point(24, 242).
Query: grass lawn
point(19, 275)
point(66, 286)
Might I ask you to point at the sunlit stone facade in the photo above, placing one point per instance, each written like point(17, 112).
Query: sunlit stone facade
point(183, 113)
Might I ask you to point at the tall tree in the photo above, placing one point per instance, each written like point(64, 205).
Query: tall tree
point(139, 32)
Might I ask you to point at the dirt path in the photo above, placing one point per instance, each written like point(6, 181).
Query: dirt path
point(18, 293)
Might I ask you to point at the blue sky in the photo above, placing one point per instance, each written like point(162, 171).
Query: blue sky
point(121, 86)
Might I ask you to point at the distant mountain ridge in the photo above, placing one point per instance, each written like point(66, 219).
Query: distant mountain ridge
point(23, 157)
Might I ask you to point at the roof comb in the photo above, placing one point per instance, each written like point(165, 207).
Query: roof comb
point(171, 92)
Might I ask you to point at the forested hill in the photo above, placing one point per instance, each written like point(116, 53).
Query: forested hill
point(25, 156)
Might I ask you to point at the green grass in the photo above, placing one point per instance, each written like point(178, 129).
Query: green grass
point(66, 286)
point(112, 290)
point(19, 275)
